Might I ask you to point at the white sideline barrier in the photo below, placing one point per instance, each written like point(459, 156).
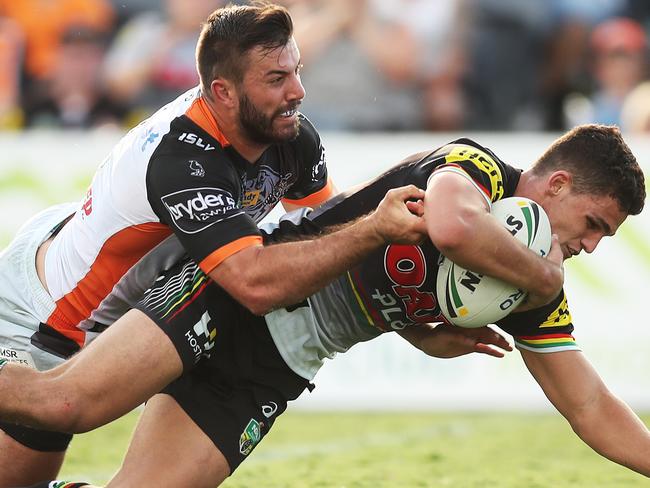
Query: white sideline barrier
point(607, 291)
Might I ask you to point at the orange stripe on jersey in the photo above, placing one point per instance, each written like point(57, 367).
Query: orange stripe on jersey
point(118, 254)
point(200, 114)
point(315, 198)
point(218, 256)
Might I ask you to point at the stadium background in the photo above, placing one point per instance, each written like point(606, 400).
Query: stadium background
point(384, 78)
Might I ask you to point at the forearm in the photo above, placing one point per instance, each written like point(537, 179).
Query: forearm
point(287, 273)
point(488, 248)
point(601, 420)
point(444, 341)
point(613, 430)
point(265, 278)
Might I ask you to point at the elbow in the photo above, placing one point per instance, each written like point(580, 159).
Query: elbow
point(450, 238)
point(256, 299)
point(259, 308)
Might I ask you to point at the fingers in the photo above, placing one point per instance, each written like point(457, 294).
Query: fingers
point(490, 351)
point(486, 338)
point(416, 208)
point(496, 339)
point(555, 253)
point(408, 192)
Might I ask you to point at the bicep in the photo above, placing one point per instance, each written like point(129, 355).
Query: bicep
point(452, 200)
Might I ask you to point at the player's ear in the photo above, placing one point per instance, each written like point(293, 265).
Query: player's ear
point(558, 181)
point(223, 92)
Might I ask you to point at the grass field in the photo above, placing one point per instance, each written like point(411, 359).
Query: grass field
point(381, 450)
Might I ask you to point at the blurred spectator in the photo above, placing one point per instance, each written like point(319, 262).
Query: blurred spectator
point(635, 114)
point(566, 70)
point(126, 9)
point(11, 56)
point(638, 10)
point(440, 31)
point(506, 59)
point(152, 58)
point(44, 22)
point(619, 64)
point(72, 96)
point(362, 66)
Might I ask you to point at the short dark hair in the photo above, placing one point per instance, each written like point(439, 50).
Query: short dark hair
point(231, 32)
point(600, 162)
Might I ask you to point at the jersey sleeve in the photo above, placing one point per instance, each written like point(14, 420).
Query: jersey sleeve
point(545, 329)
point(199, 197)
point(484, 170)
point(313, 185)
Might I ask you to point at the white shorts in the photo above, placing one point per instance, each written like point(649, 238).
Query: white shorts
point(24, 303)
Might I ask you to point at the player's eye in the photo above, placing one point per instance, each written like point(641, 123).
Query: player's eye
point(592, 224)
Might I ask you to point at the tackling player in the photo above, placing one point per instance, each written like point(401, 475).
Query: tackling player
point(587, 182)
point(195, 177)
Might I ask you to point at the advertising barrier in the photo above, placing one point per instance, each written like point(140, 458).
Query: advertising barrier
point(607, 291)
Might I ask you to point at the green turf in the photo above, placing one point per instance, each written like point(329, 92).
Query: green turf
point(355, 450)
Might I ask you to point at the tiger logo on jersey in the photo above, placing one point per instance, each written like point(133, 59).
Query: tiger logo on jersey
point(264, 191)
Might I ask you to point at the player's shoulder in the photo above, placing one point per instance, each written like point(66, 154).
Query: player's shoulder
point(190, 157)
point(466, 156)
point(466, 149)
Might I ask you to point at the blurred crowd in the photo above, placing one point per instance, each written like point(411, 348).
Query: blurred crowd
point(369, 65)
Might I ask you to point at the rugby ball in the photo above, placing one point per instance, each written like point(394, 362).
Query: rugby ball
point(469, 299)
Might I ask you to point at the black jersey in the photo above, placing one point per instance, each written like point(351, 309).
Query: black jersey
point(174, 177)
point(213, 198)
point(395, 286)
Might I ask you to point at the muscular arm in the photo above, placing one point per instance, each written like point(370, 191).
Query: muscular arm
point(263, 278)
point(601, 420)
point(460, 225)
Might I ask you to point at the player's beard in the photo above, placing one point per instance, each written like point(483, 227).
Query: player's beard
point(258, 126)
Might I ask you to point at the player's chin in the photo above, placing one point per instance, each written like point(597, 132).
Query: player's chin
point(286, 134)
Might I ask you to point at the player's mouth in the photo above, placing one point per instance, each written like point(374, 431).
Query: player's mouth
point(291, 113)
point(569, 252)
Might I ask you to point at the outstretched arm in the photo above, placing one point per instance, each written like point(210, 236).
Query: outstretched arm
point(447, 341)
point(600, 418)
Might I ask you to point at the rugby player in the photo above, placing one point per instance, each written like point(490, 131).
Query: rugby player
point(233, 373)
point(195, 177)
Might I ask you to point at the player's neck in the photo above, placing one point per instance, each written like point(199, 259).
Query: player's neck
point(530, 186)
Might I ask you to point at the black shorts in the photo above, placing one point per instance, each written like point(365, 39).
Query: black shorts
point(39, 440)
point(235, 383)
